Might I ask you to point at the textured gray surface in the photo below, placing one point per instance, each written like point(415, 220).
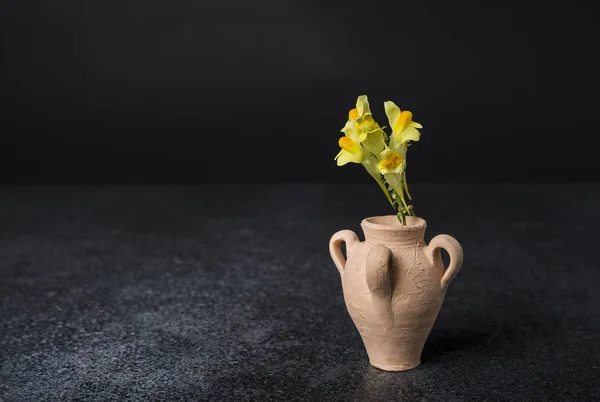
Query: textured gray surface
point(228, 293)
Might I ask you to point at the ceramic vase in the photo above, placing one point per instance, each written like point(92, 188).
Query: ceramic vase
point(394, 285)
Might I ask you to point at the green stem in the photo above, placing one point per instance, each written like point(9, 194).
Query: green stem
point(405, 185)
point(382, 185)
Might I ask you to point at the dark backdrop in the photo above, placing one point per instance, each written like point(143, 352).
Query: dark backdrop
point(148, 91)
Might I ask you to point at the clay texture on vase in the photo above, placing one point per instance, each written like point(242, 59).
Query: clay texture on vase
point(394, 285)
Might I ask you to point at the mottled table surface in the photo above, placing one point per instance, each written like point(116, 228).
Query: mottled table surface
point(217, 293)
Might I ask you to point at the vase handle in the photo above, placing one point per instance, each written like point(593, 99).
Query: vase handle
point(335, 249)
point(379, 263)
point(454, 250)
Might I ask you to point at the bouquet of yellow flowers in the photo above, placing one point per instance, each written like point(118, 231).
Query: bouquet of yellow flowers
point(382, 155)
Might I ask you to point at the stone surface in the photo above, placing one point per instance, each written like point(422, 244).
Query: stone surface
point(229, 293)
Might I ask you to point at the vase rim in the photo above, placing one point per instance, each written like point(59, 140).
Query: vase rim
point(391, 223)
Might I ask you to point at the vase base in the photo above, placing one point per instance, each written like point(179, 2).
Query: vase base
point(395, 367)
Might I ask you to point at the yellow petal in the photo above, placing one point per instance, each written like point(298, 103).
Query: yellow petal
point(392, 163)
point(350, 130)
point(410, 134)
point(351, 151)
point(362, 104)
point(375, 142)
point(345, 157)
point(348, 144)
point(403, 121)
point(353, 114)
point(367, 123)
point(415, 124)
point(385, 153)
point(361, 136)
point(392, 111)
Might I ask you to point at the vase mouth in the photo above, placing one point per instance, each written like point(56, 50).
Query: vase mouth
point(391, 223)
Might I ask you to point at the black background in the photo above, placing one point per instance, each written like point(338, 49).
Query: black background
point(234, 91)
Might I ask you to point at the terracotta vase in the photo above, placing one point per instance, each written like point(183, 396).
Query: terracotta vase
point(394, 285)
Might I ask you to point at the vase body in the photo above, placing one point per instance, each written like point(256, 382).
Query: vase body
point(394, 285)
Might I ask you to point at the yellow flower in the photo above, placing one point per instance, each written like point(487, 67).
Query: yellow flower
point(351, 151)
point(363, 141)
point(362, 106)
point(403, 127)
point(360, 121)
point(391, 162)
point(361, 126)
point(393, 167)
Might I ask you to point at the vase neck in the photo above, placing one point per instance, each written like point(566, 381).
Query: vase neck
point(388, 230)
